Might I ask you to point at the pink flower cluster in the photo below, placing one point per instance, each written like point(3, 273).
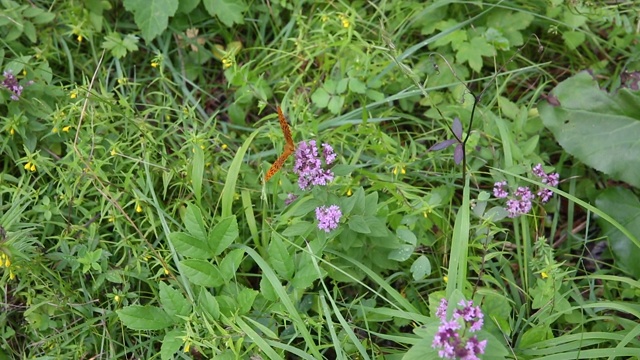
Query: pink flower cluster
point(521, 201)
point(451, 339)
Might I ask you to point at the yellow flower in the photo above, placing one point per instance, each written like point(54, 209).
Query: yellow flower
point(2, 258)
point(446, 279)
point(33, 167)
point(12, 276)
point(113, 152)
point(138, 208)
point(226, 63)
point(224, 146)
point(186, 347)
point(154, 64)
point(116, 298)
point(66, 128)
point(80, 38)
point(399, 169)
point(324, 18)
point(7, 262)
point(73, 94)
point(12, 131)
point(166, 271)
point(544, 275)
point(349, 192)
point(29, 166)
point(54, 130)
point(345, 21)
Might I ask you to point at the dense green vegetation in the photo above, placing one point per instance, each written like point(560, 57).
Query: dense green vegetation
point(442, 152)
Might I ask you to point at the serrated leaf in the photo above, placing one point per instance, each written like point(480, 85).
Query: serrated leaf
point(229, 12)
point(194, 221)
point(189, 246)
point(280, 259)
point(202, 273)
point(245, 300)
point(229, 265)
point(223, 234)
point(138, 317)
point(357, 86)
point(118, 46)
point(173, 302)
point(171, 343)
point(598, 128)
point(473, 51)
point(152, 17)
point(209, 305)
point(420, 268)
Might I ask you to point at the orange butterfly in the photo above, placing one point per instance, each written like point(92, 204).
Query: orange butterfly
point(289, 147)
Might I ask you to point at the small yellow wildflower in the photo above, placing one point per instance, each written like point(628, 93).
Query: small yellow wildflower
point(66, 128)
point(113, 152)
point(112, 218)
point(166, 271)
point(224, 146)
point(399, 169)
point(187, 346)
point(154, 64)
point(80, 38)
point(7, 262)
point(12, 131)
point(73, 94)
point(138, 208)
point(349, 192)
point(324, 18)
point(446, 279)
point(12, 276)
point(116, 298)
point(54, 130)
point(544, 275)
point(24, 72)
point(226, 63)
point(29, 166)
point(345, 21)
point(3, 256)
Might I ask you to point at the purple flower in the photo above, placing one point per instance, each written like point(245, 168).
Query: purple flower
point(521, 203)
point(550, 179)
point(11, 83)
point(328, 217)
point(499, 190)
point(308, 165)
point(290, 198)
point(451, 339)
point(441, 312)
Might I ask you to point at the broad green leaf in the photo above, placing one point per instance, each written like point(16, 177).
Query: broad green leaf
point(190, 246)
point(297, 229)
point(280, 259)
point(473, 51)
point(171, 343)
point(186, 6)
point(245, 300)
point(208, 304)
point(138, 317)
point(421, 268)
point(200, 272)
point(223, 234)
point(173, 302)
point(402, 252)
point(358, 224)
point(194, 221)
point(229, 265)
point(306, 273)
point(152, 17)
point(407, 236)
point(335, 104)
point(598, 128)
point(118, 46)
point(267, 290)
point(229, 12)
point(622, 205)
point(573, 39)
point(535, 335)
point(377, 225)
point(357, 86)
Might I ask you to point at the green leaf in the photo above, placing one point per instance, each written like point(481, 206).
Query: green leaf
point(187, 6)
point(208, 304)
point(402, 252)
point(598, 128)
point(357, 86)
point(407, 236)
point(229, 12)
point(573, 39)
point(223, 235)
point(229, 265)
point(197, 172)
point(200, 272)
point(473, 51)
point(335, 104)
point(152, 17)
point(622, 205)
point(138, 317)
point(189, 246)
point(320, 97)
point(377, 225)
point(535, 335)
point(280, 259)
point(194, 221)
point(120, 47)
point(171, 343)
point(306, 273)
point(173, 302)
point(358, 224)
point(245, 300)
point(421, 268)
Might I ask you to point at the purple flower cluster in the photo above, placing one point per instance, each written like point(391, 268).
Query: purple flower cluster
point(328, 217)
point(450, 338)
point(11, 83)
point(521, 201)
point(308, 164)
